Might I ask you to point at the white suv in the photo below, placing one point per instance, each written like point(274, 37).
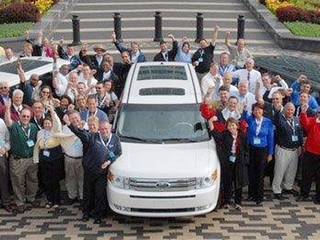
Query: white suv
point(169, 166)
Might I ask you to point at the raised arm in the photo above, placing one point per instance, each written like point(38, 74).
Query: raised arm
point(7, 115)
point(215, 35)
point(226, 40)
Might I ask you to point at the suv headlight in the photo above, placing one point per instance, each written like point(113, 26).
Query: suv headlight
point(205, 182)
point(118, 181)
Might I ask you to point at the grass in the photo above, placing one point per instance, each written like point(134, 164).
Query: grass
point(14, 29)
point(303, 29)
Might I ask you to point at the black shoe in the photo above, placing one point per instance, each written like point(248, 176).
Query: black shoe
point(279, 196)
point(8, 208)
point(291, 191)
point(39, 193)
point(259, 202)
point(20, 209)
point(97, 221)
point(70, 201)
point(85, 217)
point(302, 198)
point(251, 198)
point(316, 200)
point(35, 203)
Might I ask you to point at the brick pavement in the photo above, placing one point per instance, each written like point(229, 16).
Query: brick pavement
point(274, 220)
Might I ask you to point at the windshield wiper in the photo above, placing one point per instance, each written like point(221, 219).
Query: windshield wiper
point(141, 139)
point(184, 140)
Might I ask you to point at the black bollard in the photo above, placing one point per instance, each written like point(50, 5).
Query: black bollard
point(199, 27)
point(157, 27)
point(241, 22)
point(76, 30)
point(117, 25)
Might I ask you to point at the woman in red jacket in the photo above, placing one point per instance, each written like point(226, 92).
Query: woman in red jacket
point(311, 160)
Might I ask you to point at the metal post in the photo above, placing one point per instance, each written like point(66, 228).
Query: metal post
point(117, 25)
point(76, 30)
point(241, 23)
point(157, 27)
point(199, 27)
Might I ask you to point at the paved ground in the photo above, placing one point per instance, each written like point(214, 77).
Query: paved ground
point(274, 220)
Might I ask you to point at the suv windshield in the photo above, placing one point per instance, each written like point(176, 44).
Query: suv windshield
point(163, 72)
point(161, 123)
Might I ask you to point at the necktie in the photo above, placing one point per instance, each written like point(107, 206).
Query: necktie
point(248, 77)
point(166, 56)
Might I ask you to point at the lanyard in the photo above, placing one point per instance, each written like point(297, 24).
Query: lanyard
point(46, 136)
point(259, 123)
point(105, 144)
point(102, 101)
point(291, 124)
point(37, 123)
point(95, 113)
point(24, 130)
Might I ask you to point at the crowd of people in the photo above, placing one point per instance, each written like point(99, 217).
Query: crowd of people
point(63, 131)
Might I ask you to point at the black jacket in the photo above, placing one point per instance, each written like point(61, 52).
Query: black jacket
point(171, 54)
point(224, 142)
point(94, 151)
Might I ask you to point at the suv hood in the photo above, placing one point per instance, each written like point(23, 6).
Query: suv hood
point(166, 160)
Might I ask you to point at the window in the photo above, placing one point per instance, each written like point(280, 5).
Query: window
point(162, 123)
point(162, 72)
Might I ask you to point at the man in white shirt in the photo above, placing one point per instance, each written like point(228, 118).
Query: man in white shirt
point(227, 80)
point(249, 74)
point(246, 98)
point(212, 80)
point(9, 56)
point(73, 151)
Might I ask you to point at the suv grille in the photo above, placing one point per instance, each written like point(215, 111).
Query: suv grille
point(162, 185)
point(161, 91)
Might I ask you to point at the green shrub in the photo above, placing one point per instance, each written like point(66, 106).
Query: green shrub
point(303, 29)
point(291, 14)
point(19, 12)
point(14, 29)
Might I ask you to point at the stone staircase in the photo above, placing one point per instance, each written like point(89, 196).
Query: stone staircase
point(178, 18)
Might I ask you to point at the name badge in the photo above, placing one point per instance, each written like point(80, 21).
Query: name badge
point(30, 143)
point(232, 158)
point(200, 60)
point(256, 141)
point(46, 153)
point(294, 138)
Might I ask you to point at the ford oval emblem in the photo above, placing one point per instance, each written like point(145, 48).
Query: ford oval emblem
point(162, 185)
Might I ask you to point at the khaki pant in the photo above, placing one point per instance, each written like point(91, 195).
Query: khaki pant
point(74, 177)
point(285, 169)
point(4, 181)
point(24, 179)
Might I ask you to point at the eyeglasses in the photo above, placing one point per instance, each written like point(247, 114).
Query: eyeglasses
point(275, 98)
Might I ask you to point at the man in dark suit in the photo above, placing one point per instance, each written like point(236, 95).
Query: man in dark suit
point(164, 55)
point(94, 61)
